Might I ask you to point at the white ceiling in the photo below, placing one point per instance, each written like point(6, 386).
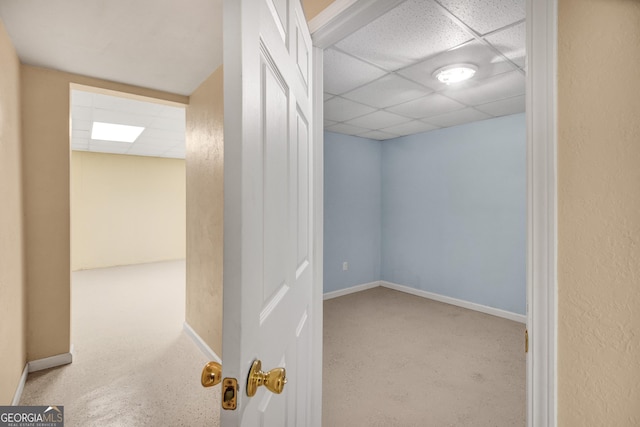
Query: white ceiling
point(159, 44)
point(379, 80)
point(164, 134)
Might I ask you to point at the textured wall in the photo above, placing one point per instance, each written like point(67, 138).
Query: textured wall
point(12, 280)
point(454, 212)
point(126, 209)
point(205, 202)
point(352, 202)
point(46, 165)
point(599, 213)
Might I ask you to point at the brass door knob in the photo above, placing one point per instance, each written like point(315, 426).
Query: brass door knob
point(274, 380)
point(211, 374)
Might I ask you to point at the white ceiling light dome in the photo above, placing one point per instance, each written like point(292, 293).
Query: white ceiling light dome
point(455, 73)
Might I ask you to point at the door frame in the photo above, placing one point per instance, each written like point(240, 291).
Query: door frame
point(342, 17)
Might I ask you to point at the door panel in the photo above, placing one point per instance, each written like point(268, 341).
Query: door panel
point(268, 237)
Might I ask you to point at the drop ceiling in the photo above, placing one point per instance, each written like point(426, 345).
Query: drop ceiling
point(163, 136)
point(379, 81)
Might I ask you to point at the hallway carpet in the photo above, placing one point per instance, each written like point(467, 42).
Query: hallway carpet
point(393, 359)
point(133, 365)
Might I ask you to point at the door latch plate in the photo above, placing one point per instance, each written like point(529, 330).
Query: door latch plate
point(229, 394)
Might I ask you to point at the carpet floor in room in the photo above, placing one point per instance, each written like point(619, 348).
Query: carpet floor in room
point(394, 359)
point(390, 359)
point(133, 364)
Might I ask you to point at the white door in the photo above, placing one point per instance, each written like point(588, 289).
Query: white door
point(268, 311)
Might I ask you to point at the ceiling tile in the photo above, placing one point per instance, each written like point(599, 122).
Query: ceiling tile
point(412, 31)
point(458, 117)
point(347, 129)
point(343, 73)
point(486, 15)
point(328, 123)
point(81, 144)
point(80, 134)
point(504, 107)
point(327, 96)
point(378, 120)
point(146, 151)
point(511, 42)
point(121, 117)
point(502, 86)
point(409, 128)
point(168, 124)
point(489, 63)
point(379, 135)
point(427, 106)
point(389, 90)
point(109, 147)
point(340, 109)
point(81, 98)
point(125, 105)
point(81, 113)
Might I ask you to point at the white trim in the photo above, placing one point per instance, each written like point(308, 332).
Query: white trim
point(317, 254)
point(457, 302)
point(20, 389)
point(541, 111)
point(351, 290)
point(343, 17)
point(51, 362)
point(203, 346)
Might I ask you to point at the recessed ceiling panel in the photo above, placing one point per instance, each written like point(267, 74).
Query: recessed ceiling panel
point(409, 128)
point(379, 135)
point(343, 73)
point(511, 42)
point(347, 129)
point(486, 15)
point(389, 90)
point(504, 107)
point(494, 88)
point(340, 109)
point(378, 120)
point(410, 32)
point(459, 117)
point(427, 106)
point(164, 133)
point(489, 63)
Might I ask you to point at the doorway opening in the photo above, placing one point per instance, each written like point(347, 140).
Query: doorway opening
point(450, 163)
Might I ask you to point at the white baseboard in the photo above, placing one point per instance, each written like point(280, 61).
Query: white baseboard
point(20, 389)
point(51, 362)
point(457, 302)
point(351, 290)
point(204, 347)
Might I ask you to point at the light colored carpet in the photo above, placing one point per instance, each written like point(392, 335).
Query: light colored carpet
point(390, 359)
point(393, 359)
point(133, 364)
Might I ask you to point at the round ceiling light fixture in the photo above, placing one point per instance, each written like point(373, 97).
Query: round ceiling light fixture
point(455, 73)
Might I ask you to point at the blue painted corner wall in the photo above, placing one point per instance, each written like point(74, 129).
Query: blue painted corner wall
point(352, 210)
point(441, 211)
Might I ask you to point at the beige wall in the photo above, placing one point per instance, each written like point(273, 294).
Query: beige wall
point(126, 209)
point(12, 282)
point(45, 142)
point(314, 7)
point(205, 211)
point(599, 213)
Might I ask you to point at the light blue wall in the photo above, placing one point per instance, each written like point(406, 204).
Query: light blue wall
point(454, 212)
point(352, 206)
